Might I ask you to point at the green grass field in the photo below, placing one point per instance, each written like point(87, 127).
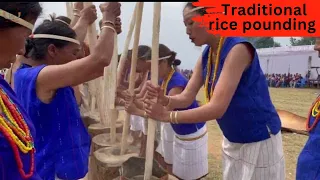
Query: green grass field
point(297, 101)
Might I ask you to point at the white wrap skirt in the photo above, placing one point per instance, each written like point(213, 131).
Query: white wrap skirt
point(190, 160)
point(262, 160)
point(165, 147)
point(136, 123)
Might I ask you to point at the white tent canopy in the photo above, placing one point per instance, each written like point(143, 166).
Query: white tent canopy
point(289, 59)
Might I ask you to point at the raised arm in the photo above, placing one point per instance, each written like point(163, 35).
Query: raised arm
point(87, 16)
point(82, 70)
point(77, 8)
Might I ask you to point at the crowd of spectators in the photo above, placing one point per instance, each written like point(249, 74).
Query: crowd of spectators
point(186, 72)
point(287, 80)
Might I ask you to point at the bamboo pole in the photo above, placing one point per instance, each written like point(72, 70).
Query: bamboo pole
point(119, 71)
point(69, 6)
point(110, 115)
point(132, 74)
point(124, 54)
point(93, 84)
point(154, 79)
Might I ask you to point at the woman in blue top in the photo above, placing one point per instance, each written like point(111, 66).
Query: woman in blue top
point(136, 122)
point(45, 89)
point(184, 146)
point(16, 159)
point(237, 97)
point(308, 165)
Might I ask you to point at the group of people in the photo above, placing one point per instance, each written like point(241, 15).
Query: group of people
point(42, 135)
point(182, 148)
point(286, 80)
point(186, 72)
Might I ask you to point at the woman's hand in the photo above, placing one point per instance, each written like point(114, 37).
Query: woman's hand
point(155, 92)
point(130, 107)
point(89, 14)
point(120, 102)
point(110, 10)
point(118, 24)
point(78, 6)
point(156, 111)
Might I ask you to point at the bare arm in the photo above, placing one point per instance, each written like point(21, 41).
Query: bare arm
point(175, 92)
point(139, 104)
point(77, 7)
point(138, 112)
point(82, 70)
point(189, 94)
point(235, 64)
point(143, 86)
point(81, 29)
point(142, 92)
point(57, 76)
point(126, 83)
point(74, 21)
point(87, 17)
point(139, 88)
point(77, 94)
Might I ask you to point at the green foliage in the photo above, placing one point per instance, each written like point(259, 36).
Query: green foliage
point(302, 41)
point(264, 42)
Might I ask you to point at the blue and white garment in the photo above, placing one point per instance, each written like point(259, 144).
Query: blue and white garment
point(8, 165)
point(252, 145)
point(63, 143)
point(308, 165)
point(189, 158)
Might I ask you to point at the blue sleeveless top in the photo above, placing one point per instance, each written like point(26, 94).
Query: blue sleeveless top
point(8, 165)
point(251, 112)
point(308, 165)
point(63, 143)
point(178, 80)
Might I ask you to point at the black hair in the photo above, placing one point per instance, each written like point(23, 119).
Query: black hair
point(100, 23)
point(36, 48)
point(201, 11)
point(176, 62)
point(165, 51)
point(25, 10)
point(144, 53)
point(119, 56)
point(64, 18)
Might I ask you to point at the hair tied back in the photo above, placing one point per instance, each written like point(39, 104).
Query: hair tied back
point(29, 46)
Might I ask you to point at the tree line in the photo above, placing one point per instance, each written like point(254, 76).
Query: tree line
point(267, 42)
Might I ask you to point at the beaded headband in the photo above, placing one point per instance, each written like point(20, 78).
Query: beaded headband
point(16, 19)
point(166, 57)
point(194, 9)
point(62, 21)
point(51, 36)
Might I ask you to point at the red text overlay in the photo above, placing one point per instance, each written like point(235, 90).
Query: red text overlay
point(261, 18)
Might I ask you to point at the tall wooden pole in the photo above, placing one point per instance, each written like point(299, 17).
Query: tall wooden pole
point(109, 113)
point(92, 40)
point(124, 54)
point(132, 74)
point(69, 6)
point(154, 79)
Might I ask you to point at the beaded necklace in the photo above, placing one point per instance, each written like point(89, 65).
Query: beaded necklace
point(208, 94)
point(16, 131)
point(314, 112)
point(165, 83)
